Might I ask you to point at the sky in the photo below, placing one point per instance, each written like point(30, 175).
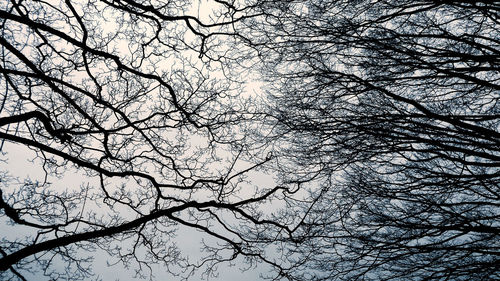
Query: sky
point(20, 164)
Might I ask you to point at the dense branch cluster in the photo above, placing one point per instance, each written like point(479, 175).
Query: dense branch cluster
point(391, 107)
point(379, 120)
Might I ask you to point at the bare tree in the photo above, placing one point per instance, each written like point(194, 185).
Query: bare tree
point(382, 119)
point(388, 113)
point(125, 108)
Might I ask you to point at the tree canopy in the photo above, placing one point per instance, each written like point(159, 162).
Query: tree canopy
point(126, 111)
point(378, 119)
point(389, 110)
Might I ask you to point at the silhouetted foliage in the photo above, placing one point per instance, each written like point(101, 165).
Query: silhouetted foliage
point(388, 112)
point(380, 120)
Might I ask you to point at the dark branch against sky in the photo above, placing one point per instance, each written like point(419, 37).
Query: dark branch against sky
point(302, 140)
